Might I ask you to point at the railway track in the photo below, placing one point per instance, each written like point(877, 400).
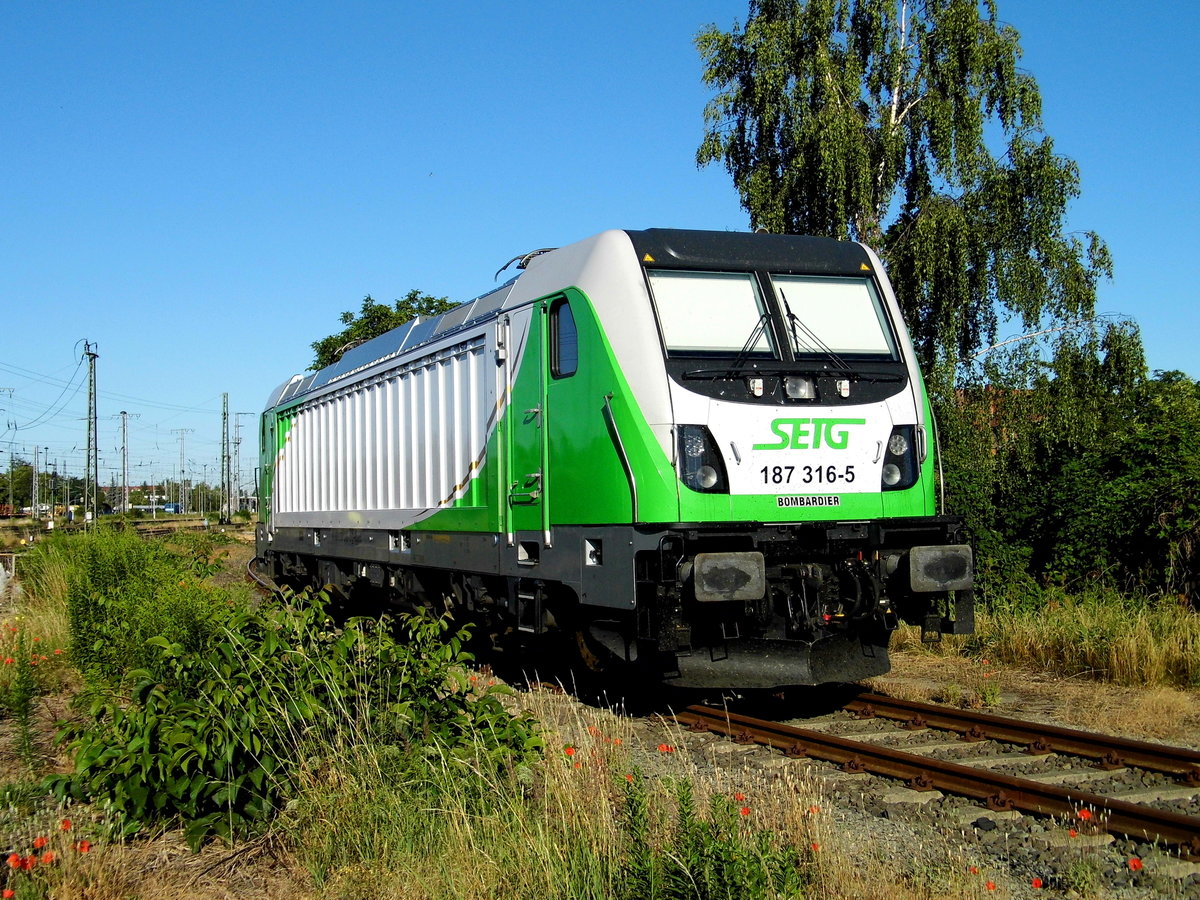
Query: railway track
point(919, 765)
point(261, 582)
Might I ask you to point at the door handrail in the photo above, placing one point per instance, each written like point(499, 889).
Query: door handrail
point(615, 434)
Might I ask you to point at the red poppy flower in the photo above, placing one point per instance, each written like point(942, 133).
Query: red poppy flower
point(991, 885)
point(83, 846)
point(739, 796)
point(47, 857)
point(816, 848)
point(8, 894)
point(814, 809)
point(1072, 833)
point(665, 748)
point(14, 861)
point(8, 660)
point(1135, 864)
point(579, 765)
point(1085, 814)
point(570, 751)
point(974, 870)
point(66, 824)
point(1036, 882)
point(745, 810)
point(616, 742)
point(39, 842)
point(28, 862)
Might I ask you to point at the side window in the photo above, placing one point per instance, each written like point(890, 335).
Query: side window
point(564, 340)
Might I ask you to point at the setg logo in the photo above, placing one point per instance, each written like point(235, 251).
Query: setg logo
point(810, 434)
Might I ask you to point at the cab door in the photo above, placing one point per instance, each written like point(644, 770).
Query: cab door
point(527, 476)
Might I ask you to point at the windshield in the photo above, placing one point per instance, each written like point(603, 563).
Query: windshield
point(711, 313)
point(842, 316)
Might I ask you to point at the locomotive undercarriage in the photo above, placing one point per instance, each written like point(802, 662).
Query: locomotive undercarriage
point(758, 606)
point(793, 604)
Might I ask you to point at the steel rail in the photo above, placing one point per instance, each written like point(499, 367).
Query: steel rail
point(999, 792)
point(264, 584)
point(1111, 752)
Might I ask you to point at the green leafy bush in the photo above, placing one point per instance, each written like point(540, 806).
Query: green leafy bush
point(199, 549)
point(121, 590)
point(218, 736)
point(1084, 478)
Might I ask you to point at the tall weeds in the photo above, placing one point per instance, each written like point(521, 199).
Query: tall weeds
point(583, 825)
point(1126, 641)
point(1097, 632)
point(215, 739)
point(118, 591)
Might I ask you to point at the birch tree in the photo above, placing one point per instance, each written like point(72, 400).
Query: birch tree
point(909, 125)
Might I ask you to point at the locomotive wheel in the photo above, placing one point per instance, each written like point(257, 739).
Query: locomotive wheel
point(585, 654)
point(594, 656)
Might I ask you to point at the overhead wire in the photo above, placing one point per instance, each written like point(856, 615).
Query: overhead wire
point(51, 411)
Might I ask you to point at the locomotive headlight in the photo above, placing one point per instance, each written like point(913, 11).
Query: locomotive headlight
point(701, 467)
point(900, 467)
point(693, 443)
point(799, 388)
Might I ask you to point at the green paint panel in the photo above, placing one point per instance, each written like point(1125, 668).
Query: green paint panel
point(756, 508)
point(584, 482)
point(588, 483)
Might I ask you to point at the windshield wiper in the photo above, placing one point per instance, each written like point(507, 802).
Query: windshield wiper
point(783, 369)
point(758, 331)
point(813, 342)
point(735, 368)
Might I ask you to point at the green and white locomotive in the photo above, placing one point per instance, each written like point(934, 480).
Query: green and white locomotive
point(705, 455)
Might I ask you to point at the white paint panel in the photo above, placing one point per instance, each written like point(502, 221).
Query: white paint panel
point(306, 437)
point(387, 442)
point(828, 438)
point(394, 447)
point(606, 268)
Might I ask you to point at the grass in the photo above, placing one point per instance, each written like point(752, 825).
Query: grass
point(600, 817)
point(1125, 641)
point(1097, 634)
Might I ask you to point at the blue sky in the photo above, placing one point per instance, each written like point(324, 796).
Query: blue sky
point(200, 189)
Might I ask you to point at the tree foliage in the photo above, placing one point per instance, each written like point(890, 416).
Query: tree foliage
point(374, 319)
point(871, 119)
point(1130, 503)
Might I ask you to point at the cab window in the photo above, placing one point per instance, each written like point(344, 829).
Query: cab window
point(840, 315)
point(564, 340)
point(711, 313)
